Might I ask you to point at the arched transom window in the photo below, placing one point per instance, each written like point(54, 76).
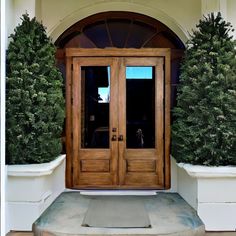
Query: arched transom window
point(120, 30)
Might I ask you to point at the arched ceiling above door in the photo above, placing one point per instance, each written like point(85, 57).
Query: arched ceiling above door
point(120, 30)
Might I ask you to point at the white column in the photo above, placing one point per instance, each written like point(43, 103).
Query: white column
point(2, 119)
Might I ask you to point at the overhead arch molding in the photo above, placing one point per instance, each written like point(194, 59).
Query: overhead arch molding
point(106, 6)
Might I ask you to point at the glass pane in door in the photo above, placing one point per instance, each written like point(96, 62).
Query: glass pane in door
point(140, 107)
point(95, 100)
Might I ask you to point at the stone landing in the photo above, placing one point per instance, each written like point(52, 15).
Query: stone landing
point(169, 214)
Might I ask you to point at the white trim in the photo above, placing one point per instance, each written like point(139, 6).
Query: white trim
point(118, 192)
point(197, 171)
point(2, 112)
point(34, 169)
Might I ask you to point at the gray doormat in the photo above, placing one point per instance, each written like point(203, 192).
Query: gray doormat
point(116, 212)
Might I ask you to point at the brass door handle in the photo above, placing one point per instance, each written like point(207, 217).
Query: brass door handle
point(120, 138)
point(113, 138)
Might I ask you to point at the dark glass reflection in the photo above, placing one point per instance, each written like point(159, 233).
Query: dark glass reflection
point(119, 30)
point(95, 99)
point(140, 107)
point(140, 34)
point(98, 34)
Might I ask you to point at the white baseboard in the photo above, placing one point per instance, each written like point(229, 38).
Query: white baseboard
point(118, 192)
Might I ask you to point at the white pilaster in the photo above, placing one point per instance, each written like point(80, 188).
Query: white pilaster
point(23, 6)
point(2, 119)
point(14, 10)
point(209, 6)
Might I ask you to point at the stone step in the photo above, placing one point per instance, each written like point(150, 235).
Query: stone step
point(169, 214)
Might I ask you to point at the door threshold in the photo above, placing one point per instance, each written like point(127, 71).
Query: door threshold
point(118, 192)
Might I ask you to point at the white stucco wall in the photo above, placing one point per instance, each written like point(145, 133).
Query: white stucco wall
point(174, 16)
point(57, 15)
point(14, 11)
point(20, 8)
point(231, 17)
point(10, 18)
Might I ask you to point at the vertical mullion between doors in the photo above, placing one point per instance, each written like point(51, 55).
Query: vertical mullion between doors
point(113, 117)
point(122, 119)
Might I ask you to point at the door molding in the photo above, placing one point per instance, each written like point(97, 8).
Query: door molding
point(72, 55)
point(118, 52)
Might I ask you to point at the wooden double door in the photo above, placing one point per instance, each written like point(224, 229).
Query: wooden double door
point(117, 127)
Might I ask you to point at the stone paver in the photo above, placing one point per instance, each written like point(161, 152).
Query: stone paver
point(168, 212)
point(206, 234)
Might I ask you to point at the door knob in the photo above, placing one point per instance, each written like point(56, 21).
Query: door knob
point(120, 138)
point(113, 138)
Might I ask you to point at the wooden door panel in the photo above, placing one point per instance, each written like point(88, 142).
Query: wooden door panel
point(93, 154)
point(140, 154)
point(141, 167)
point(93, 167)
point(145, 180)
point(97, 179)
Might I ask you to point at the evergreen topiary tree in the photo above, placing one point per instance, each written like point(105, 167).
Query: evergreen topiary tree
point(34, 98)
point(204, 131)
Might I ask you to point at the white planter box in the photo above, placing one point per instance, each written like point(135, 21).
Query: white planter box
point(30, 190)
point(212, 192)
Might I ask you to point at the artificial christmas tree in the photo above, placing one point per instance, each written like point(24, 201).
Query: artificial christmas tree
point(204, 130)
point(34, 98)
